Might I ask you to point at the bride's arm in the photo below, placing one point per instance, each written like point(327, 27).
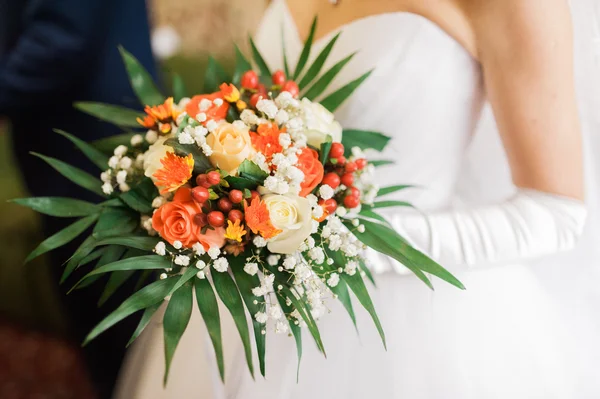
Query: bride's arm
point(526, 52)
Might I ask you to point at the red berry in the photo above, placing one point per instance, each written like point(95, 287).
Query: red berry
point(361, 163)
point(337, 150)
point(216, 219)
point(351, 201)
point(213, 177)
point(278, 78)
point(351, 167)
point(200, 219)
point(224, 204)
point(235, 214)
point(347, 179)
point(291, 87)
point(236, 196)
point(355, 192)
point(341, 160)
point(249, 80)
point(330, 205)
point(254, 194)
point(200, 194)
point(262, 89)
point(202, 181)
point(255, 99)
point(331, 179)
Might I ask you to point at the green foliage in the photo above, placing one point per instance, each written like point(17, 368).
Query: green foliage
point(107, 145)
point(317, 65)
point(392, 189)
point(117, 115)
point(209, 308)
point(251, 171)
point(175, 321)
point(94, 155)
point(324, 150)
point(303, 59)
point(228, 292)
point(141, 81)
point(265, 72)
point(337, 98)
point(245, 283)
point(58, 206)
point(148, 296)
point(140, 196)
point(179, 91)
point(241, 65)
point(364, 140)
point(324, 81)
point(76, 175)
point(63, 237)
point(215, 75)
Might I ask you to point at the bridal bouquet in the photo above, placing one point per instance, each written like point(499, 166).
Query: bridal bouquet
point(250, 192)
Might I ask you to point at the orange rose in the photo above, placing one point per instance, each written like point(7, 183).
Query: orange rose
point(174, 221)
point(308, 162)
point(212, 112)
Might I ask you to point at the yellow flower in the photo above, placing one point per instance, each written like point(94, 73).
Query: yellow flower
point(230, 92)
point(231, 145)
point(235, 231)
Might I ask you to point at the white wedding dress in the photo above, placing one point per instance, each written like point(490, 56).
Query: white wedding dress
point(504, 337)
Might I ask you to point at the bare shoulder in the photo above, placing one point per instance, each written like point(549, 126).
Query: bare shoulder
point(518, 25)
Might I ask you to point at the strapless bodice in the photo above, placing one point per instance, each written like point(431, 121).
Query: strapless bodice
point(425, 92)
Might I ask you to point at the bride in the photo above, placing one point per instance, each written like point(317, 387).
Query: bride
point(438, 64)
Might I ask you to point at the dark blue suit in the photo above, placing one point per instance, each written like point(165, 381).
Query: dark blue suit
point(52, 53)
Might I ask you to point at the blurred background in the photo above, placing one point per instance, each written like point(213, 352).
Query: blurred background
point(32, 319)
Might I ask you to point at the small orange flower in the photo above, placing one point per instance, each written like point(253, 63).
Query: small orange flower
point(176, 171)
point(162, 115)
point(230, 92)
point(213, 112)
point(235, 231)
point(259, 220)
point(266, 139)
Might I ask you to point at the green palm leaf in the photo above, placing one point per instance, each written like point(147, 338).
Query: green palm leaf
point(63, 237)
point(144, 321)
point(241, 65)
point(306, 50)
point(177, 316)
point(337, 98)
point(317, 65)
point(142, 299)
point(324, 81)
point(94, 155)
point(209, 308)
point(117, 115)
point(228, 292)
point(141, 81)
point(179, 91)
point(265, 72)
point(245, 283)
point(76, 175)
point(58, 206)
point(364, 139)
point(215, 75)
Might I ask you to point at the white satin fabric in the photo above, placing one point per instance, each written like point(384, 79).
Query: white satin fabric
point(504, 337)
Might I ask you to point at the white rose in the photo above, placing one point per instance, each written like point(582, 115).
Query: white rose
point(292, 215)
point(319, 123)
point(152, 157)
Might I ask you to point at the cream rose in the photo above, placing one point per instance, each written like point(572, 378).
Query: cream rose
point(319, 123)
point(230, 145)
point(292, 215)
point(152, 157)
